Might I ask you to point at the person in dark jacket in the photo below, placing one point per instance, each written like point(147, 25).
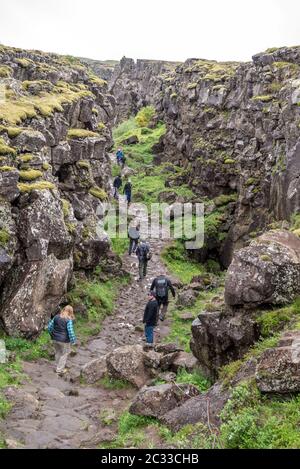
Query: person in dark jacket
point(117, 184)
point(123, 161)
point(134, 236)
point(62, 333)
point(128, 191)
point(161, 286)
point(150, 318)
point(143, 254)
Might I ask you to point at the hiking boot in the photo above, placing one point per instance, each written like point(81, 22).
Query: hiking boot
point(62, 373)
point(161, 318)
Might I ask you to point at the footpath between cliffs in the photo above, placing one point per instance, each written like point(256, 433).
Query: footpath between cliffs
point(52, 412)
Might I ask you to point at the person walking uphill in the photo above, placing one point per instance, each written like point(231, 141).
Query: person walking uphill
point(128, 191)
point(144, 255)
point(62, 333)
point(161, 286)
point(117, 184)
point(134, 236)
point(150, 318)
point(119, 156)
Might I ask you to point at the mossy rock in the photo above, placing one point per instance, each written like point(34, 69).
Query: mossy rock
point(98, 193)
point(25, 63)
point(26, 157)
point(84, 164)
point(266, 258)
point(263, 99)
point(37, 186)
point(229, 161)
point(5, 71)
point(4, 169)
point(4, 237)
point(6, 149)
point(30, 174)
point(80, 134)
point(225, 199)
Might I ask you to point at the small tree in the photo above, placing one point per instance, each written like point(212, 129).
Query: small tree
point(144, 116)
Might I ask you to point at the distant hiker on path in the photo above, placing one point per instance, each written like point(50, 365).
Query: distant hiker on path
point(161, 286)
point(128, 191)
point(123, 161)
point(119, 155)
point(62, 333)
point(117, 185)
point(150, 317)
point(144, 255)
point(134, 236)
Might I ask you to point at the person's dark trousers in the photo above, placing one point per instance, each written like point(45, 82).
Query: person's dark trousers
point(149, 334)
point(128, 198)
point(132, 246)
point(162, 308)
point(143, 268)
point(116, 193)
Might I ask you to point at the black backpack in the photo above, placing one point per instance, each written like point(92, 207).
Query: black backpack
point(161, 287)
point(145, 254)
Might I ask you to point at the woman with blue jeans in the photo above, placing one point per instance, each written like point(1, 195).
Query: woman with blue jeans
point(150, 318)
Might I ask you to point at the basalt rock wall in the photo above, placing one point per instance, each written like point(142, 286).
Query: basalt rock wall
point(55, 132)
point(234, 127)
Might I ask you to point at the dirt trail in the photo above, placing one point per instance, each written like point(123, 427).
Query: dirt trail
point(52, 412)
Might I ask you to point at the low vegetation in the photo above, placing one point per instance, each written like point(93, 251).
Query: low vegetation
point(98, 299)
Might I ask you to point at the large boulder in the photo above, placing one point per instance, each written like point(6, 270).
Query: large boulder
point(94, 370)
point(31, 293)
point(205, 408)
point(184, 361)
point(30, 140)
point(266, 272)
point(155, 401)
point(219, 338)
point(42, 229)
point(278, 370)
point(127, 363)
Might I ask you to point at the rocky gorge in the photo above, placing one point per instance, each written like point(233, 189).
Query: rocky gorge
point(224, 134)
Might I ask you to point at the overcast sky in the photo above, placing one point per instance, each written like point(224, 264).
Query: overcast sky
point(152, 29)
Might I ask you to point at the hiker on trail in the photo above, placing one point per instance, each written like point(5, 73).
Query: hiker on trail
point(134, 236)
point(123, 161)
point(144, 255)
point(117, 184)
point(161, 286)
point(119, 155)
point(62, 333)
point(150, 317)
point(128, 190)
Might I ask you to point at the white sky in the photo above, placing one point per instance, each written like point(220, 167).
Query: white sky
point(152, 29)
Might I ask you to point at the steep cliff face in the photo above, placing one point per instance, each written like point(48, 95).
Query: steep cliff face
point(138, 84)
point(234, 128)
point(55, 118)
point(102, 68)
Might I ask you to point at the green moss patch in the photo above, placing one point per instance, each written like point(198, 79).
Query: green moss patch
point(30, 175)
point(80, 134)
point(6, 149)
point(98, 193)
point(4, 237)
point(37, 186)
point(5, 71)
